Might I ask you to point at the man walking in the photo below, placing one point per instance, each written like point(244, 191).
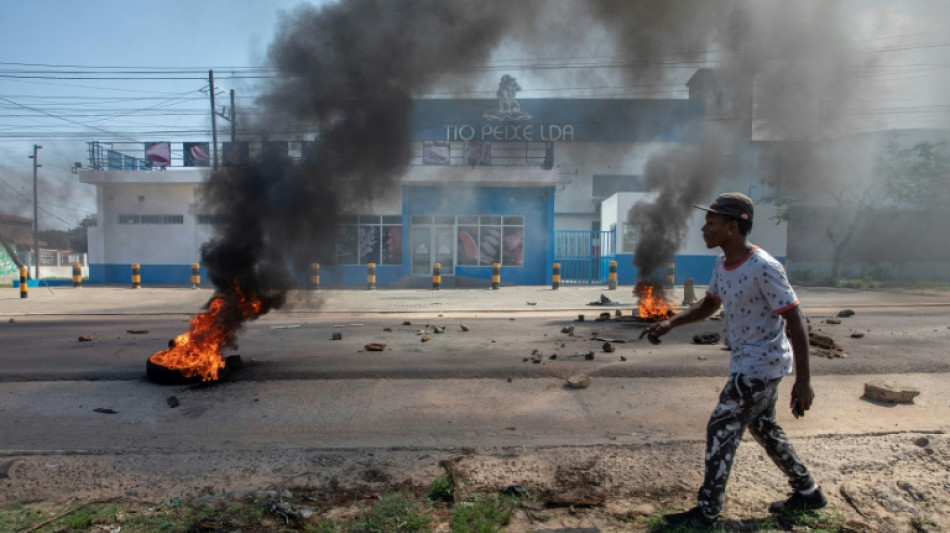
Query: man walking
point(759, 303)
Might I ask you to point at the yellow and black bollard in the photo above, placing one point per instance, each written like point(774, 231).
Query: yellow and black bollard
point(24, 290)
point(612, 277)
point(670, 275)
point(495, 276)
point(77, 275)
point(195, 275)
point(315, 278)
point(436, 276)
point(371, 276)
point(136, 276)
point(556, 276)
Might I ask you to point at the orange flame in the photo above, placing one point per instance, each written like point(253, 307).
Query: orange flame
point(652, 305)
point(198, 352)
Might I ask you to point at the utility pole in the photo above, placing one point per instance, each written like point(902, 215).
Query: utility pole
point(233, 115)
point(214, 122)
point(36, 219)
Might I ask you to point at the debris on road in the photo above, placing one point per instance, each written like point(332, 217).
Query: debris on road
point(172, 401)
point(105, 411)
point(604, 301)
point(337, 336)
point(580, 318)
point(375, 347)
point(426, 338)
point(832, 321)
point(578, 381)
point(406, 323)
point(603, 317)
point(846, 313)
point(85, 338)
point(650, 337)
point(388, 329)
point(137, 331)
point(886, 392)
point(607, 347)
point(857, 335)
point(826, 346)
point(463, 327)
point(568, 329)
point(707, 338)
point(438, 329)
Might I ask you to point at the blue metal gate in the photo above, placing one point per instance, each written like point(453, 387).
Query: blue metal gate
point(584, 256)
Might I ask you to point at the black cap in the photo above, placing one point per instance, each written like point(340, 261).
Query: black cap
point(731, 204)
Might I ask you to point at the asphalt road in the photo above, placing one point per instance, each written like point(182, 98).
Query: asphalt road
point(298, 345)
point(298, 388)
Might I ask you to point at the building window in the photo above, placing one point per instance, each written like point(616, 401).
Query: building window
point(213, 219)
point(151, 219)
point(631, 234)
point(488, 239)
point(364, 239)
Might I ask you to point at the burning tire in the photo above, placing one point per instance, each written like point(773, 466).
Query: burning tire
point(165, 376)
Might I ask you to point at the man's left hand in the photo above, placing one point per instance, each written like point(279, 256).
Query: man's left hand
point(802, 397)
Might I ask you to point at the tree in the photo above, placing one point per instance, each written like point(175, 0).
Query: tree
point(917, 177)
point(839, 186)
point(833, 182)
point(73, 239)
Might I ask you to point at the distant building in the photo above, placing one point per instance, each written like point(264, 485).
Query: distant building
point(523, 183)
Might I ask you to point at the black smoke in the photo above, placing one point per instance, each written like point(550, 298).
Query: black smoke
point(348, 73)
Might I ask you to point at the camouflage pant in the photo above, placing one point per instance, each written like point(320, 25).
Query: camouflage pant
point(746, 403)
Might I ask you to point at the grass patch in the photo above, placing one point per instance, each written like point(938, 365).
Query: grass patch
point(442, 489)
point(393, 513)
point(482, 514)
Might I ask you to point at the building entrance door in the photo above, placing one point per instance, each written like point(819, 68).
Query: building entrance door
point(433, 244)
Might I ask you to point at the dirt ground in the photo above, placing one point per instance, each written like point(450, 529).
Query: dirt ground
point(887, 482)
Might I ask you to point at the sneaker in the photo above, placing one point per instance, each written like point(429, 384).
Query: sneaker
point(692, 519)
point(798, 502)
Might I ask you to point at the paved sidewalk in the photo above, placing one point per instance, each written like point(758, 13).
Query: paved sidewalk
point(94, 300)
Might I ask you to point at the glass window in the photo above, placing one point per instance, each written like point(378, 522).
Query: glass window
point(392, 245)
point(512, 248)
point(468, 245)
point(514, 221)
point(369, 241)
point(444, 219)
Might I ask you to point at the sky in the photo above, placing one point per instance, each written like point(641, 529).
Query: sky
point(128, 72)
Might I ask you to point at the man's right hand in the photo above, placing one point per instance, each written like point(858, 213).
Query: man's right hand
point(656, 329)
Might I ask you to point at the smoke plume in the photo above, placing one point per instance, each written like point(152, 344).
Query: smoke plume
point(348, 74)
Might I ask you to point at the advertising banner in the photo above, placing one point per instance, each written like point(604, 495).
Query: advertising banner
point(158, 154)
point(197, 154)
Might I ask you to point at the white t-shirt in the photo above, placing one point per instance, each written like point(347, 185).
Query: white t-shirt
point(753, 293)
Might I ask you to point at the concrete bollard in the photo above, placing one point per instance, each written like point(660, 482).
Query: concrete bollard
point(436, 276)
point(612, 277)
point(77, 275)
point(315, 278)
point(24, 290)
point(670, 275)
point(136, 276)
point(195, 275)
point(495, 276)
point(371, 276)
point(556, 277)
point(689, 292)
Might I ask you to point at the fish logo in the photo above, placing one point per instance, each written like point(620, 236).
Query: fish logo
point(508, 110)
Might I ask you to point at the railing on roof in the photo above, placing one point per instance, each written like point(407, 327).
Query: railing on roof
point(157, 156)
